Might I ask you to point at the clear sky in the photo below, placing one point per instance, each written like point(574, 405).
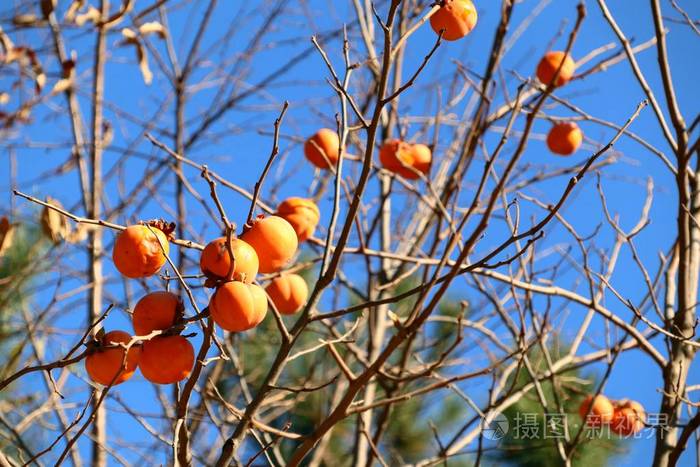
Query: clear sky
point(242, 142)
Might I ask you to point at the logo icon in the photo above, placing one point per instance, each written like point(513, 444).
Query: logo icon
point(494, 426)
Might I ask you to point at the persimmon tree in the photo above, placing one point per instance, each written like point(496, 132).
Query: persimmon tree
point(322, 241)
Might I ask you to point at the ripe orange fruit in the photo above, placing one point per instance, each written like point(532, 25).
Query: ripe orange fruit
point(237, 306)
point(601, 412)
point(422, 157)
point(323, 148)
point(105, 363)
point(628, 418)
point(456, 17)
point(302, 214)
point(167, 359)
point(549, 65)
point(138, 251)
point(288, 292)
point(156, 311)
point(397, 156)
point(216, 261)
point(564, 138)
point(275, 241)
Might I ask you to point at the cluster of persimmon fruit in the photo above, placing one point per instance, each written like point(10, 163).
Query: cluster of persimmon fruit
point(230, 265)
point(456, 18)
point(624, 417)
point(406, 159)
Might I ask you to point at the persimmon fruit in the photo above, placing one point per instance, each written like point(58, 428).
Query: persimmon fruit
point(323, 148)
point(601, 410)
point(237, 306)
point(288, 292)
point(400, 157)
point(140, 251)
point(628, 419)
point(274, 240)
point(106, 363)
point(456, 17)
point(167, 359)
point(422, 157)
point(550, 63)
point(302, 214)
point(156, 311)
point(215, 261)
point(564, 138)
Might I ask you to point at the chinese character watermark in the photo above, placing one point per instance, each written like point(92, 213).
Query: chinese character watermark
point(536, 425)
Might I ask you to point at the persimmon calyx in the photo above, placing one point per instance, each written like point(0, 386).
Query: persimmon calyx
point(168, 228)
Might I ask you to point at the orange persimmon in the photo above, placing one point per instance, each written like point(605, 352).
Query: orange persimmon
point(400, 157)
point(302, 214)
point(323, 148)
point(156, 311)
point(274, 240)
point(456, 17)
point(140, 250)
point(564, 138)
point(288, 292)
point(422, 157)
point(550, 63)
point(596, 411)
point(104, 364)
point(237, 306)
point(167, 359)
point(215, 261)
point(628, 419)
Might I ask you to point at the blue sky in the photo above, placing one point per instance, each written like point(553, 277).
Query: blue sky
point(242, 142)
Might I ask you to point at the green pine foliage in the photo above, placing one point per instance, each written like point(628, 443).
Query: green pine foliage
point(17, 269)
point(525, 444)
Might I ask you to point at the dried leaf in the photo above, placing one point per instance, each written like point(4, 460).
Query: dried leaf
point(154, 27)
point(129, 35)
point(53, 224)
point(92, 14)
point(26, 20)
point(6, 43)
point(47, 7)
point(130, 38)
point(143, 64)
point(7, 232)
